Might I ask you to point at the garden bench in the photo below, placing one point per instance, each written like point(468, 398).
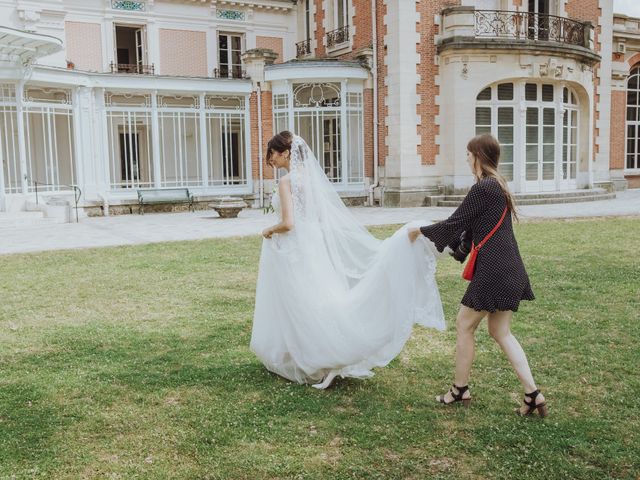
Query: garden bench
point(155, 196)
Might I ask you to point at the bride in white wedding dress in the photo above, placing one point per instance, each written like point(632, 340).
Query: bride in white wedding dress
point(331, 299)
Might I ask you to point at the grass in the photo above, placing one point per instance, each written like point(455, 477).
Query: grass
point(133, 362)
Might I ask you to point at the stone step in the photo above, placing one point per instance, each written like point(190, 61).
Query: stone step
point(10, 220)
point(544, 195)
point(543, 201)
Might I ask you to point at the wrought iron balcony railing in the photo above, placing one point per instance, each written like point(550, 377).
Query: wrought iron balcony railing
point(531, 26)
point(132, 68)
point(303, 48)
point(338, 36)
point(230, 72)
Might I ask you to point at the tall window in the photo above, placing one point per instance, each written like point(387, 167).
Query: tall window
point(495, 116)
point(569, 134)
point(131, 50)
point(341, 13)
point(633, 119)
point(340, 33)
point(307, 19)
point(538, 20)
point(230, 55)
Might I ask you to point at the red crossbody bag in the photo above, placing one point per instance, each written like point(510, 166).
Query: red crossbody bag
point(470, 267)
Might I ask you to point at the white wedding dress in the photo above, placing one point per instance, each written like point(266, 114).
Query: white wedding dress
point(331, 299)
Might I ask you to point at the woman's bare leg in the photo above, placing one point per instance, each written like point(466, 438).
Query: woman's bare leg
point(466, 324)
point(500, 329)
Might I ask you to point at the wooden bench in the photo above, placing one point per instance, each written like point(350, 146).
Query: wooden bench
point(155, 196)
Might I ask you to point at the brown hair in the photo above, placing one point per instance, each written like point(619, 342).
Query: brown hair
point(486, 151)
point(281, 142)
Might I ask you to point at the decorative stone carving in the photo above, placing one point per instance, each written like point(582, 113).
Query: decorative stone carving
point(128, 5)
point(230, 15)
point(228, 207)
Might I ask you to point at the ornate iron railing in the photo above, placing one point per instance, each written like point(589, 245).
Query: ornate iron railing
point(531, 26)
point(303, 48)
point(337, 36)
point(230, 72)
point(132, 68)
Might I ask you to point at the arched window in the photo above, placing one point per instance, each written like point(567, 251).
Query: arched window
point(633, 119)
point(329, 116)
point(537, 126)
point(495, 115)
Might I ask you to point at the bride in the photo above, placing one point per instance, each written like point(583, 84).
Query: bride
point(331, 299)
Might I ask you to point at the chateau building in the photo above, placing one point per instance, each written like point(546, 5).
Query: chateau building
point(100, 98)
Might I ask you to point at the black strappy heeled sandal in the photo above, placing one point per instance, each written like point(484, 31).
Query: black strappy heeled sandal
point(457, 397)
point(532, 407)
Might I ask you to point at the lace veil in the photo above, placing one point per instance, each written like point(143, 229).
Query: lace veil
point(350, 246)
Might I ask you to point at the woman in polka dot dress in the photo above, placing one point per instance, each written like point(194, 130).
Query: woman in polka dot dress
point(500, 280)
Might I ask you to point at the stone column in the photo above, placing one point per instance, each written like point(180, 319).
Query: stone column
point(255, 61)
point(403, 185)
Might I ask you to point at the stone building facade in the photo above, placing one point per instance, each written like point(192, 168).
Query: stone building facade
point(114, 96)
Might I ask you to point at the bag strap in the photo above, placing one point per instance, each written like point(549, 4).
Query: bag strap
point(477, 247)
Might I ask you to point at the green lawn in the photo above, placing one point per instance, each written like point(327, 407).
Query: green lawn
point(133, 362)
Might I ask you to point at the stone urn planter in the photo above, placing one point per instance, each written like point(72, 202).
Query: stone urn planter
point(228, 207)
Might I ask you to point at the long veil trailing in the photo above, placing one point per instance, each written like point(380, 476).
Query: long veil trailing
point(331, 297)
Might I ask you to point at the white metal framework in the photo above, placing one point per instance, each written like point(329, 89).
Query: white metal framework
point(329, 116)
point(9, 141)
point(37, 139)
point(226, 119)
point(173, 140)
point(128, 120)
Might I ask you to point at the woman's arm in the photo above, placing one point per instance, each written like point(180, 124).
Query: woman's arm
point(286, 202)
point(447, 232)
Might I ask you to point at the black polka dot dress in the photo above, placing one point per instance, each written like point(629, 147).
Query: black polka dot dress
point(500, 280)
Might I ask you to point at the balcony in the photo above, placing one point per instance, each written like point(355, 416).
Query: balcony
point(466, 27)
point(337, 37)
point(234, 72)
point(303, 48)
point(138, 69)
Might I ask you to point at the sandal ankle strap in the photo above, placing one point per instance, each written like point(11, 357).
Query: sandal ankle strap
point(532, 396)
point(461, 391)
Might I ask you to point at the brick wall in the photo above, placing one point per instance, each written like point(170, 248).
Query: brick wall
point(183, 52)
point(267, 133)
point(618, 116)
point(361, 18)
point(84, 45)
point(368, 132)
point(320, 32)
point(272, 43)
point(427, 89)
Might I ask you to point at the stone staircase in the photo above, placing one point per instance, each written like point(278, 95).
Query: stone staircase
point(49, 210)
point(572, 196)
point(9, 220)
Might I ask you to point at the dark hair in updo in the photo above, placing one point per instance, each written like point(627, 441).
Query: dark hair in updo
point(280, 143)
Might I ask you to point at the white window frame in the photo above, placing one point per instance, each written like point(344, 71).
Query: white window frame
point(344, 21)
point(520, 105)
point(634, 170)
point(494, 104)
point(141, 36)
point(230, 50)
